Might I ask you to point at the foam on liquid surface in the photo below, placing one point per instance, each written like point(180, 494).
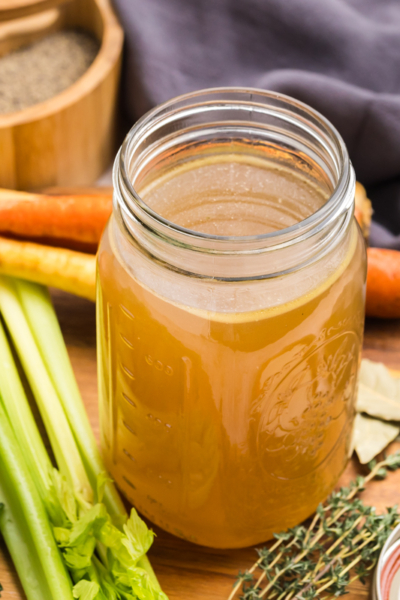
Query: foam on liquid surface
point(234, 196)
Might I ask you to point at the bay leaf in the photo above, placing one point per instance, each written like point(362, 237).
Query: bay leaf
point(371, 436)
point(378, 392)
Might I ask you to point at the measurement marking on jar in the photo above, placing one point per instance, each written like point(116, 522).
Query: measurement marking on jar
point(129, 400)
point(129, 455)
point(154, 419)
point(164, 481)
point(127, 312)
point(157, 364)
point(185, 424)
point(129, 428)
point(159, 422)
point(112, 406)
point(127, 371)
point(153, 500)
point(127, 342)
point(129, 482)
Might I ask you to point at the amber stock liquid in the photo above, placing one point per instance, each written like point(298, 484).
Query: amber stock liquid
point(225, 427)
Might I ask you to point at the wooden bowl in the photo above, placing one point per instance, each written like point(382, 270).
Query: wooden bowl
point(68, 139)
point(13, 9)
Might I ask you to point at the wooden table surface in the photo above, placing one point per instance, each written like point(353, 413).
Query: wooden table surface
point(186, 571)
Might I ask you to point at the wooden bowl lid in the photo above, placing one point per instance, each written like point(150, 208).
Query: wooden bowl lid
point(15, 9)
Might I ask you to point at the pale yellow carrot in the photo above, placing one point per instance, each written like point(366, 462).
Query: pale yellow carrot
point(71, 271)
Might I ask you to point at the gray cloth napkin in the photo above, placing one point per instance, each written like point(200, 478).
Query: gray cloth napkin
point(340, 56)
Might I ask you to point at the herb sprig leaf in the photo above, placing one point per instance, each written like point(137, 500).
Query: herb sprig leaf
point(340, 545)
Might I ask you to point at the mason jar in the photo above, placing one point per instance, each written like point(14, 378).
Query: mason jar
point(231, 283)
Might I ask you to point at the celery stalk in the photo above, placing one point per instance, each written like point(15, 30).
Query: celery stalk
point(20, 415)
point(56, 423)
point(24, 428)
point(44, 325)
point(43, 321)
point(25, 526)
point(80, 528)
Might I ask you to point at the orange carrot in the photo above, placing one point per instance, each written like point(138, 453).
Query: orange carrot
point(383, 283)
point(71, 271)
point(67, 220)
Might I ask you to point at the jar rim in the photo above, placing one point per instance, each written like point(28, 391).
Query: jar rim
point(248, 97)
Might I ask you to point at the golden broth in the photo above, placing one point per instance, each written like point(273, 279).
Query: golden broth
point(225, 427)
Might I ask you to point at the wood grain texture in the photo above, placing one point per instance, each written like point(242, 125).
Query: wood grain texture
point(186, 571)
point(12, 9)
point(69, 138)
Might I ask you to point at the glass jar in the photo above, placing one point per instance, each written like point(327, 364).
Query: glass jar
point(228, 363)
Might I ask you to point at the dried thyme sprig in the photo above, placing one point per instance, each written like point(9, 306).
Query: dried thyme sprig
point(341, 544)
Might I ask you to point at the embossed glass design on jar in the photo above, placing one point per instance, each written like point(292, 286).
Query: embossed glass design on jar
point(230, 315)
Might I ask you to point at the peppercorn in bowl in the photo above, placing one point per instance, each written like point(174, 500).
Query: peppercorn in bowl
point(59, 77)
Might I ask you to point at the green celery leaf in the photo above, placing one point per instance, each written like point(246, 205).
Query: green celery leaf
point(65, 496)
point(111, 592)
point(80, 557)
point(89, 524)
point(86, 590)
point(107, 584)
point(111, 537)
point(142, 587)
point(135, 581)
point(62, 536)
point(139, 537)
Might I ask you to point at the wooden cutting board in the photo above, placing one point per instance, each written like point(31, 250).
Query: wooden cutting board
point(189, 572)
